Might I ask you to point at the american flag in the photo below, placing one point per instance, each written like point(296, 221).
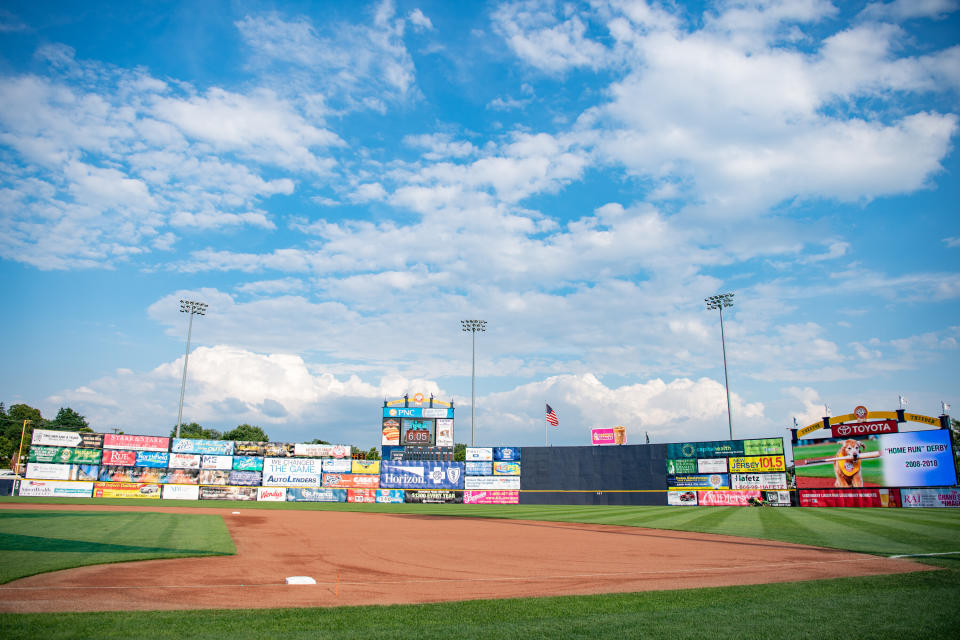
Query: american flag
point(552, 416)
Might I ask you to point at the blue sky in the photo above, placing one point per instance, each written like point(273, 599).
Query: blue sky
point(344, 182)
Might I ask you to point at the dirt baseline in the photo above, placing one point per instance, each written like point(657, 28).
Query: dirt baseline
point(372, 558)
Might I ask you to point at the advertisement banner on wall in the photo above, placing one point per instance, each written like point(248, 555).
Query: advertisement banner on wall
point(491, 497)
point(316, 494)
point(292, 472)
point(245, 478)
point(601, 437)
point(390, 435)
point(939, 497)
point(278, 449)
point(248, 448)
point(726, 498)
point(64, 455)
point(479, 454)
point(183, 461)
point(699, 481)
point(905, 459)
point(709, 449)
point(777, 498)
point(362, 495)
point(214, 476)
point(421, 474)
point(682, 498)
point(680, 467)
point(337, 466)
point(180, 476)
point(208, 447)
point(757, 464)
point(506, 468)
point(67, 439)
point(444, 432)
point(135, 443)
point(861, 497)
point(759, 481)
point(862, 429)
point(224, 463)
point(271, 494)
point(44, 471)
point(479, 468)
point(492, 483)
point(126, 490)
point(390, 496)
point(55, 489)
point(419, 496)
point(150, 475)
point(763, 447)
point(228, 493)
point(417, 412)
point(506, 454)
point(416, 432)
point(155, 459)
point(247, 463)
point(365, 466)
point(711, 465)
point(308, 450)
point(118, 458)
point(181, 492)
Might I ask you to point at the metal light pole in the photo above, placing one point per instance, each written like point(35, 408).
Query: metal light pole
point(473, 326)
point(20, 450)
point(719, 302)
point(193, 308)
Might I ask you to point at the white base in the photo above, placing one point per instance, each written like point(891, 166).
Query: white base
point(301, 580)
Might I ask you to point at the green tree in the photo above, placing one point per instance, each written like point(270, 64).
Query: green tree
point(196, 432)
point(318, 441)
point(67, 418)
point(459, 452)
point(21, 412)
point(373, 453)
point(247, 433)
point(11, 428)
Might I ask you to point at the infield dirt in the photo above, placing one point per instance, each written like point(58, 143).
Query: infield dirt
point(372, 558)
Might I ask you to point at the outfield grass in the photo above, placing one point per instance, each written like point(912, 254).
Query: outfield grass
point(35, 542)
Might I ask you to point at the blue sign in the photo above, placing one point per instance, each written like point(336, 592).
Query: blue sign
point(506, 454)
point(421, 475)
point(417, 412)
point(479, 468)
point(209, 447)
point(245, 478)
point(154, 459)
point(305, 494)
point(390, 496)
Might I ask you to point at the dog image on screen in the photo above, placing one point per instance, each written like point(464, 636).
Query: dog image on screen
point(847, 467)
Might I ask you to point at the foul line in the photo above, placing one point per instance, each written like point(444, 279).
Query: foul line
point(924, 555)
point(753, 568)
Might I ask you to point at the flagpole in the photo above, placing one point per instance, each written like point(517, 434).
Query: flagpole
point(546, 430)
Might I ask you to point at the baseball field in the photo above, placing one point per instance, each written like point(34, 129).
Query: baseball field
point(420, 571)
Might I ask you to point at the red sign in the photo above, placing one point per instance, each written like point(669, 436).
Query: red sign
point(119, 458)
point(351, 480)
point(361, 495)
point(726, 498)
point(857, 429)
point(135, 443)
point(861, 497)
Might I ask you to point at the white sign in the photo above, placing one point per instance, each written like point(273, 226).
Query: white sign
point(292, 472)
point(321, 450)
point(479, 454)
point(56, 438)
point(332, 465)
point(682, 498)
point(48, 489)
point(759, 481)
point(181, 492)
point(216, 462)
point(495, 483)
point(444, 432)
point(712, 465)
point(184, 461)
point(271, 494)
point(46, 471)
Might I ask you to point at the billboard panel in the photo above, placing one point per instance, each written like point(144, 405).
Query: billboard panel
point(390, 496)
point(224, 463)
point(699, 481)
point(208, 447)
point(271, 494)
point(444, 432)
point(390, 435)
point(118, 458)
point(228, 493)
point(757, 464)
point(181, 492)
point(777, 498)
point(501, 468)
point(680, 467)
point(861, 497)
point(180, 476)
point(245, 478)
point(491, 497)
point(492, 483)
point(215, 476)
point(316, 494)
point(763, 447)
point(292, 472)
point(362, 495)
point(43, 471)
point(863, 429)
point(481, 454)
point(682, 498)
point(277, 449)
point(601, 437)
point(64, 455)
point(321, 450)
point(906, 459)
point(711, 465)
point(932, 498)
point(421, 474)
point(506, 454)
point(151, 475)
point(709, 449)
point(419, 496)
point(416, 432)
point(184, 461)
point(759, 481)
point(51, 438)
point(365, 466)
point(126, 490)
point(337, 466)
point(247, 463)
point(479, 468)
point(248, 448)
point(135, 443)
point(726, 498)
point(417, 412)
point(55, 489)
point(155, 459)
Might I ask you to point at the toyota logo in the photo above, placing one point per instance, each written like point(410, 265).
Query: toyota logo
point(844, 430)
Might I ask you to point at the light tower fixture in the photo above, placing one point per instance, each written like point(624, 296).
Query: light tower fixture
point(472, 326)
point(193, 308)
point(718, 302)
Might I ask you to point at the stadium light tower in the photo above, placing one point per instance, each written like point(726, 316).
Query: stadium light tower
point(193, 308)
point(473, 326)
point(719, 302)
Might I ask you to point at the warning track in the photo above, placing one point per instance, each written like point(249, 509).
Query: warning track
point(371, 558)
